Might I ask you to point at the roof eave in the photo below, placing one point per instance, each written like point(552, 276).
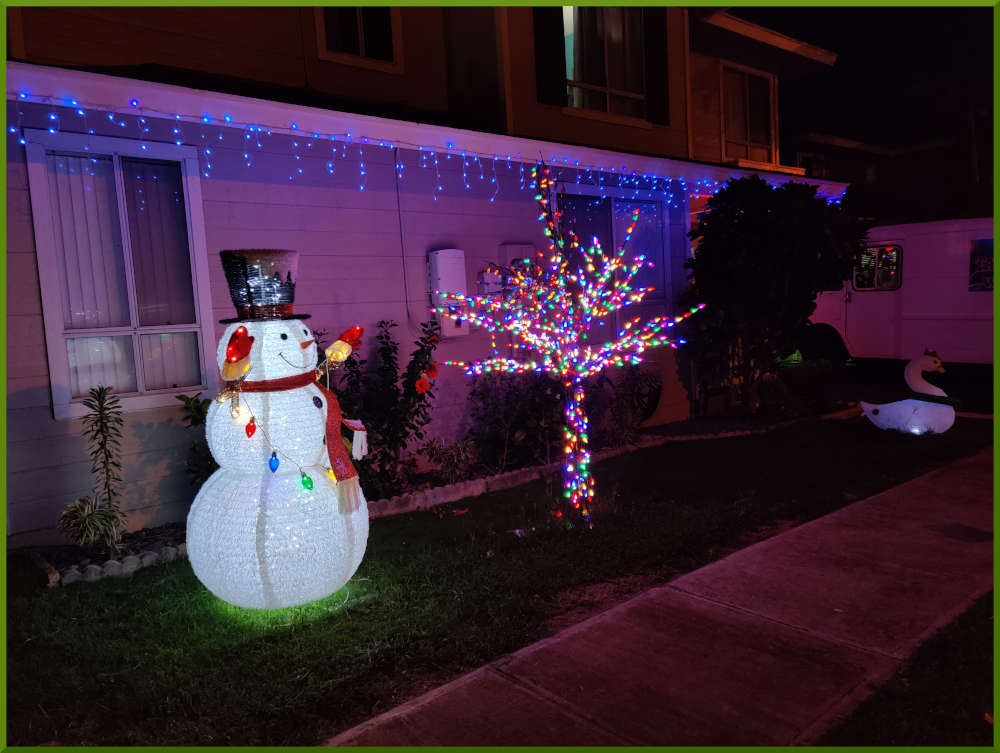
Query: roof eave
point(770, 37)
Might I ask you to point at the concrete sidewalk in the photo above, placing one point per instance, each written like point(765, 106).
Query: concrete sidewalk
point(772, 645)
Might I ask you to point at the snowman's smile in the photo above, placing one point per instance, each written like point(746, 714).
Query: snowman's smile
point(295, 365)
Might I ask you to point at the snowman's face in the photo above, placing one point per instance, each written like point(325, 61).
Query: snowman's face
point(281, 348)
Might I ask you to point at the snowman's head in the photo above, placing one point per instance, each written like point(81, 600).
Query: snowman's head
point(280, 348)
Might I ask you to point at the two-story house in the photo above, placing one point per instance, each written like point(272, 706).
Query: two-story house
point(143, 141)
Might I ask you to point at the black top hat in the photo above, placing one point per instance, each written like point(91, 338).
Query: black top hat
point(261, 283)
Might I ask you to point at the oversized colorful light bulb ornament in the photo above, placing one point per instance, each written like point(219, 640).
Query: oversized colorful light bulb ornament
point(342, 348)
point(237, 360)
point(262, 532)
point(551, 305)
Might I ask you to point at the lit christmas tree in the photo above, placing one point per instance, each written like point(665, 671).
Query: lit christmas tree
point(549, 305)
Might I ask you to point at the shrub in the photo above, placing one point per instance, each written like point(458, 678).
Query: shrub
point(394, 405)
point(88, 523)
point(762, 255)
point(626, 403)
point(454, 461)
point(795, 389)
point(199, 464)
point(516, 420)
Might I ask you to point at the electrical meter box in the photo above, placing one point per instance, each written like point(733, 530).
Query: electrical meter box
point(446, 273)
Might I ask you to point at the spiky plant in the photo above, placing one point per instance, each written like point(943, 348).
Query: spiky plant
point(88, 523)
point(99, 520)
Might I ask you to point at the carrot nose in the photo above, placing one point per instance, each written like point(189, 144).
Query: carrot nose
point(307, 343)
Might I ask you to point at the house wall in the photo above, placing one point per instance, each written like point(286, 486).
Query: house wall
point(47, 462)
point(362, 258)
point(270, 45)
point(706, 109)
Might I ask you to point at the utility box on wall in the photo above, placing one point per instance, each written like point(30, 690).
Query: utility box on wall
point(446, 273)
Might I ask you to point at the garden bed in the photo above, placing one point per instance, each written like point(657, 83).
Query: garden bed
point(65, 565)
point(151, 659)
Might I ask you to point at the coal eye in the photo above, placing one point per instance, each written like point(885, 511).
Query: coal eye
point(305, 332)
point(284, 336)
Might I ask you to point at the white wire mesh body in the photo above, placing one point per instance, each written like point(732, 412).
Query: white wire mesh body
point(256, 537)
point(266, 542)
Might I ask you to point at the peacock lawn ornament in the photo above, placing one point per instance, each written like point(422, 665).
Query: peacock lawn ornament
point(927, 409)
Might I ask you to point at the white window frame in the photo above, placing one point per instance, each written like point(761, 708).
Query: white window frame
point(64, 405)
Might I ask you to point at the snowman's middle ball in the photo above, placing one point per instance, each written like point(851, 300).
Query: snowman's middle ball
point(257, 537)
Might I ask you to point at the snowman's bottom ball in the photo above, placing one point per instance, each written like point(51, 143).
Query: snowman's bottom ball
point(265, 542)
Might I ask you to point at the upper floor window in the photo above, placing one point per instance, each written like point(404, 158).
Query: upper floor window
point(123, 298)
point(368, 36)
point(748, 114)
point(878, 268)
point(604, 59)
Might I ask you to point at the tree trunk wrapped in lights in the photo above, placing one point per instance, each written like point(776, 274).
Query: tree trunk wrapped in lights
point(549, 305)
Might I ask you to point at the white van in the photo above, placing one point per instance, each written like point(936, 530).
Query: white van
point(919, 285)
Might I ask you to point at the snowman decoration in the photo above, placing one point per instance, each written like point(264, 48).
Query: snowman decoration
point(283, 521)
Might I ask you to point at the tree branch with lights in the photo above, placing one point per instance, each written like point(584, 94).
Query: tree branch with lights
point(548, 305)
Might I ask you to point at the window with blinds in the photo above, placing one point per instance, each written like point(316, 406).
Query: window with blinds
point(604, 59)
point(118, 288)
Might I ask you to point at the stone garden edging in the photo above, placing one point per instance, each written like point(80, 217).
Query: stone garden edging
point(423, 499)
point(116, 568)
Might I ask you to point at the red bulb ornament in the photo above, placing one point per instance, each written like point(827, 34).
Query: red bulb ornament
point(237, 362)
point(251, 427)
point(352, 337)
point(239, 345)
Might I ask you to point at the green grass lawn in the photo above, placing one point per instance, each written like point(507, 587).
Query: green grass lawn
point(939, 697)
point(155, 659)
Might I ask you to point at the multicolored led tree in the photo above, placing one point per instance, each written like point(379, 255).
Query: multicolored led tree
point(549, 305)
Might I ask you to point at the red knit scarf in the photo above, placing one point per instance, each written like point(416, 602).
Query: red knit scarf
point(342, 466)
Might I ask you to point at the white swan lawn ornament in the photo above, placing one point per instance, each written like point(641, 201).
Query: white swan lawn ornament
point(928, 409)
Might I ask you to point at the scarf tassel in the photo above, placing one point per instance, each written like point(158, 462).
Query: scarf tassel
point(349, 493)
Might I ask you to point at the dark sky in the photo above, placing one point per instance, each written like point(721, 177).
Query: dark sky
point(903, 74)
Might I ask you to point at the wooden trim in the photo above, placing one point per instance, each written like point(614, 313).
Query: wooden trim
point(15, 33)
point(770, 37)
point(37, 142)
point(503, 60)
point(774, 168)
point(688, 106)
point(607, 117)
point(775, 155)
point(722, 110)
point(359, 61)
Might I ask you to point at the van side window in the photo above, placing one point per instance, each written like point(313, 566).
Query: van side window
point(879, 268)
